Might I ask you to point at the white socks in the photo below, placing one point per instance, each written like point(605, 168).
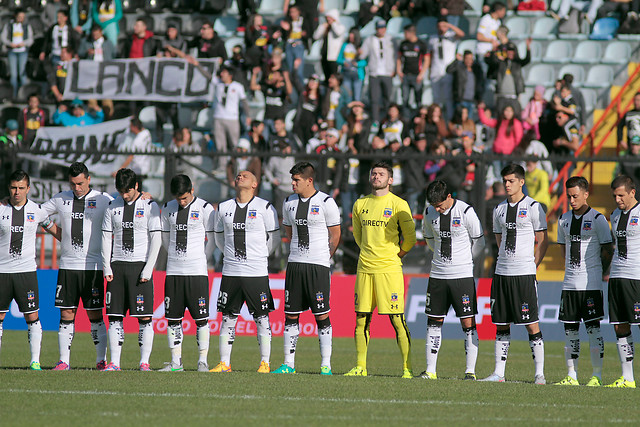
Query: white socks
point(202, 336)
point(174, 336)
point(572, 351)
point(227, 336)
point(264, 337)
point(626, 353)
point(503, 339)
point(35, 339)
point(116, 340)
point(471, 348)
point(145, 340)
point(99, 335)
point(537, 349)
point(291, 333)
point(65, 337)
point(596, 347)
point(325, 336)
point(434, 340)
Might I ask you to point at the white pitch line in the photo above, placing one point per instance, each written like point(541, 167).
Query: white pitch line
point(293, 398)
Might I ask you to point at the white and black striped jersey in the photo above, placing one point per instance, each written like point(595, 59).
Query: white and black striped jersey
point(187, 228)
point(81, 218)
point(517, 224)
point(130, 224)
point(626, 232)
point(18, 227)
point(245, 228)
point(309, 220)
point(452, 233)
point(582, 238)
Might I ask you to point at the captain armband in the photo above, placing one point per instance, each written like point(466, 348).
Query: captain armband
point(47, 223)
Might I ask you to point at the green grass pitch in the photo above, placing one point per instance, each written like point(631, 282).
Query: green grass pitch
point(86, 397)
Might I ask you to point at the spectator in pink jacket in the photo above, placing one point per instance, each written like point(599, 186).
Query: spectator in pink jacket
point(533, 111)
point(509, 129)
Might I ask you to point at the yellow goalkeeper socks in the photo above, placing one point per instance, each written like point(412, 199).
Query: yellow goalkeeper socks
point(363, 324)
point(403, 337)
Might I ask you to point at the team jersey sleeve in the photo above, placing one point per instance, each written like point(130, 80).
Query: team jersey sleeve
point(331, 212)
point(218, 225)
point(51, 206)
point(106, 221)
point(164, 220)
point(271, 218)
point(355, 221)
point(286, 216)
point(497, 229)
point(427, 229)
point(473, 223)
point(209, 218)
point(602, 230)
point(561, 236)
point(408, 227)
point(154, 218)
point(538, 219)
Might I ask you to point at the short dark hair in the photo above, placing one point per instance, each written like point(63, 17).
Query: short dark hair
point(577, 181)
point(255, 123)
point(96, 27)
point(180, 184)
point(437, 192)
point(568, 78)
point(383, 165)
point(31, 95)
point(126, 179)
point(135, 121)
point(76, 169)
point(64, 11)
point(497, 6)
point(304, 169)
point(19, 175)
point(467, 52)
point(513, 169)
point(17, 11)
point(623, 181)
point(565, 86)
point(410, 28)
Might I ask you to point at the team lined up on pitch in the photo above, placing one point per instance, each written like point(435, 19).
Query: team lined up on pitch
point(119, 240)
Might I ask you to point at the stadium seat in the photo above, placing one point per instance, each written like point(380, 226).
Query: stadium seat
point(545, 28)
point(204, 120)
point(590, 99)
point(148, 117)
point(558, 52)
point(587, 52)
point(395, 26)
point(232, 8)
point(599, 76)
point(427, 96)
point(525, 96)
point(231, 42)
point(27, 90)
point(519, 28)
point(36, 24)
point(6, 92)
point(174, 20)
point(314, 52)
point(271, 7)
point(576, 70)
point(288, 119)
point(605, 29)
point(540, 74)
point(155, 6)
point(370, 28)
point(351, 6)
point(348, 21)
point(130, 6)
point(427, 26)
point(617, 52)
point(474, 7)
point(196, 24)
point(536, 50)
point(469, 44)
point(333, 4)
point(225, 26)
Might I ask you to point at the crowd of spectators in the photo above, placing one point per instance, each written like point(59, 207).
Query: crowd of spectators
point(347, 108)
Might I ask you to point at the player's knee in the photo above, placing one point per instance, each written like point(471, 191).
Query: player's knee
point(173, 323)
point(114, 319)
point(144, 320)
point(290, 321)
point(200, 323)
point(29, 321)
point(571, 327)
point(66, 321)
point(433, 321)
point(592, 324)
point(536, 336)
point(323, 323)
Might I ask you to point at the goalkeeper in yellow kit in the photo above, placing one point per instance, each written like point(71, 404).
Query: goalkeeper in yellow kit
point(383, 228)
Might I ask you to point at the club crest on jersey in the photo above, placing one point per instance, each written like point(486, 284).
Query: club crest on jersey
point(522, 213)
point(91, 204)
point(465, 299)
point(455, 222)
point(319, 297)
point(636, 307)
point(95, 292)
point(31, 217)
point(525, 307)
point(31, 295)
point(586, 225)
point(263, 297)
point(139, 299)
point(139, 213)
point(387, 212)
point(201, 302)
point(590, 303)
point(634, 221)
point(253, 214)
point(194, 215)
point(315, 210)
point(394, 297)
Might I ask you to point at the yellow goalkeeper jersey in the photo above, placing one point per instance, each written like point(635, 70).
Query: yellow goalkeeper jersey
point(382, 225)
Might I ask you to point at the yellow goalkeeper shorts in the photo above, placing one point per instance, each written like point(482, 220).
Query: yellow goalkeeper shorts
point(382, 290)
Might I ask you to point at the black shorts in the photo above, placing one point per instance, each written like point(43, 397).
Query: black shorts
point(443, 293)
point(624, 301)
point(126, 293)
point(307, 286)
point(514, 299)
point(576, 306)
point(235, 290)
point(22, 287)
point(74, 285)
point(182, 292)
